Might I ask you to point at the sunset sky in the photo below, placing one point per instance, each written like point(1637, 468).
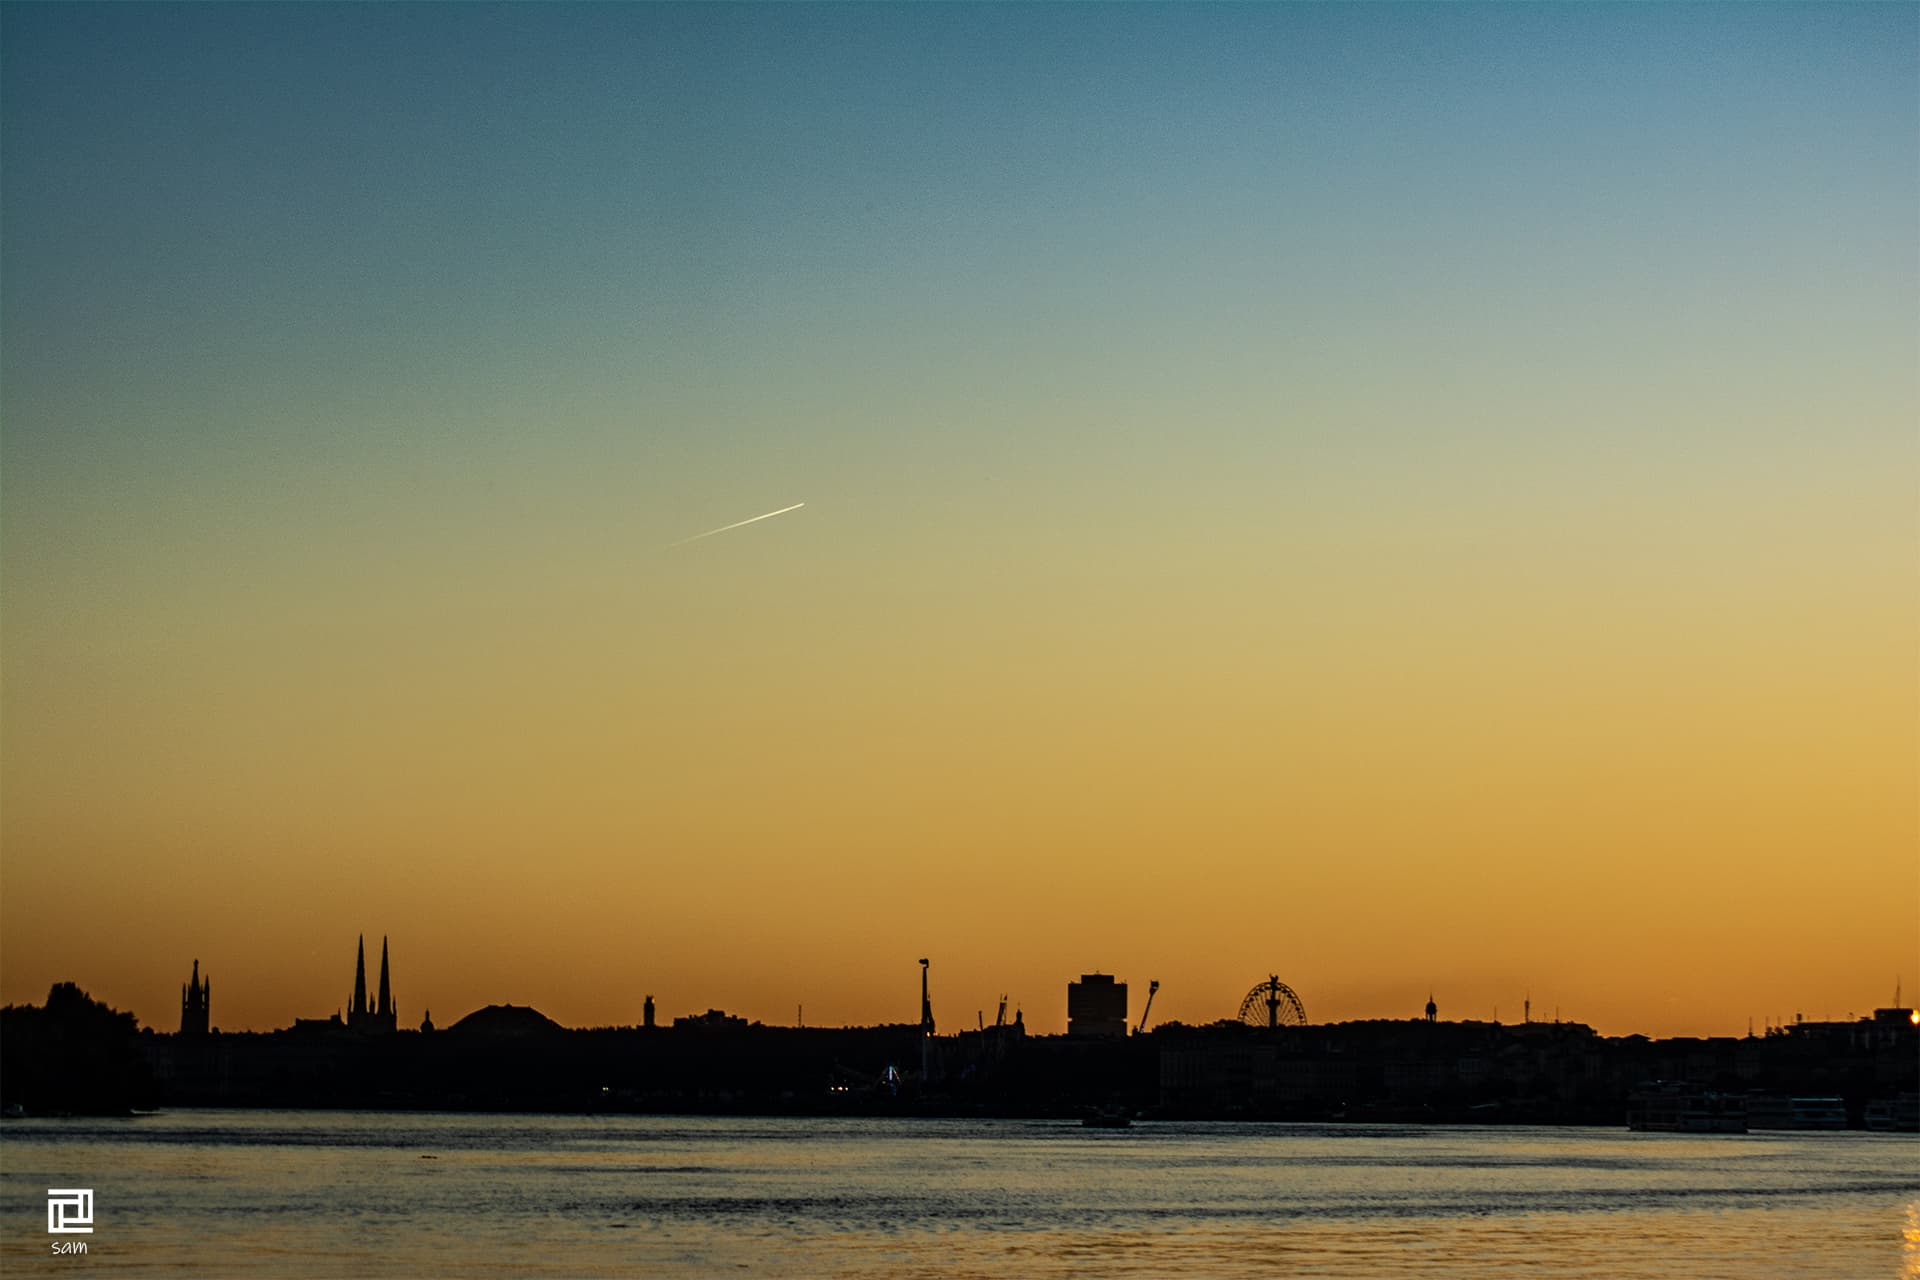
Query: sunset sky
point(1405, 499)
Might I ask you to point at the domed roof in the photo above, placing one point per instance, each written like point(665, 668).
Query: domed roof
point(505, 1020)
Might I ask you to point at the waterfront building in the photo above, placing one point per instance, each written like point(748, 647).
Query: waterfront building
point(1096, 1006)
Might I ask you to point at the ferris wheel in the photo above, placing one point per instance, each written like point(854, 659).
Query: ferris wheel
point(1273, 1004)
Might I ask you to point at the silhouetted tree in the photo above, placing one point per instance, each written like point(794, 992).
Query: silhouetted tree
point(72, 1054)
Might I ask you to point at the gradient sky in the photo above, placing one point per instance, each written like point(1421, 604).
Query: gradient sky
point(1402, 498)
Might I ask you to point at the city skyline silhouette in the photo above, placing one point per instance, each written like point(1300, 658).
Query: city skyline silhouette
point(1271, 1002)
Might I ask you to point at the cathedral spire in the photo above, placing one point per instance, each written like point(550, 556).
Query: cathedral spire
point(386, 1009)
point(358, 1009)
point(195, 1001)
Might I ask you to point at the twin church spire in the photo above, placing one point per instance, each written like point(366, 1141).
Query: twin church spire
point(196, 1000)
point(384, 1016)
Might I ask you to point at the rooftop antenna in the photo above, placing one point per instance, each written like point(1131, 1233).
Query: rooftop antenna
point(926, 1024)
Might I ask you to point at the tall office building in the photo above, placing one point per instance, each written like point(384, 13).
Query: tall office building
point(1096, 1006)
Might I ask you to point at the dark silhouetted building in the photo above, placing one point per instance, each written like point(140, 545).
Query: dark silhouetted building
point(196, 1004)
point(1096, 1006)
point(383, 1017)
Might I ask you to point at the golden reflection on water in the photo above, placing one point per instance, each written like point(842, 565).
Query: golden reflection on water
point(217, 1195)
point(1744, 1245)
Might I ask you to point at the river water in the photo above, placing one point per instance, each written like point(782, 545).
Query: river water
point(317, 1194)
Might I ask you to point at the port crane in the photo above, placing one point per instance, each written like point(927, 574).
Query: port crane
point(1152, 986)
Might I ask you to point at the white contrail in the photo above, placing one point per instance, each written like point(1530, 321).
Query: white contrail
point(736, 524)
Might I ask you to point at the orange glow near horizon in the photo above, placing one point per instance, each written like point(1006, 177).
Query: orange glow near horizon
point(716, 793)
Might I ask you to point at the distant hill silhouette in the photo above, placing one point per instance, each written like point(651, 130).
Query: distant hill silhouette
point(497, 1020)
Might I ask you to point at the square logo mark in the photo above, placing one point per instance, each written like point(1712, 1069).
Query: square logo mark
point(70, 1211)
